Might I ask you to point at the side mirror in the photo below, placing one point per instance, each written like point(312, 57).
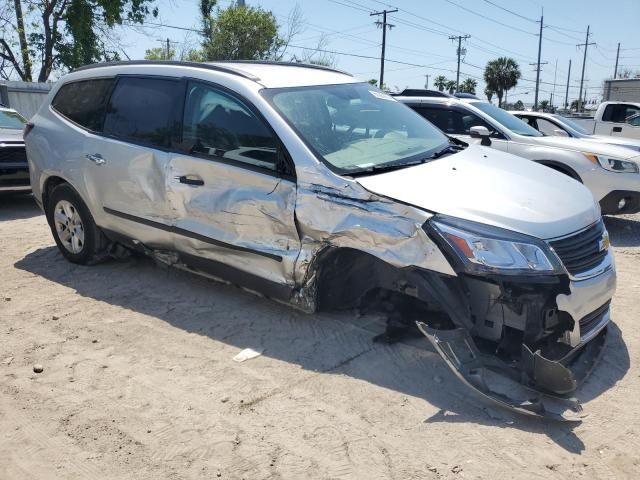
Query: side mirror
point(558, 132)
point(481, 132)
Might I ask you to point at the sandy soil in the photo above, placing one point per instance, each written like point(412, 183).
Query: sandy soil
point(139, 382)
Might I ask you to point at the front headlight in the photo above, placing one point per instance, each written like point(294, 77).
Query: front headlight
point(484, 249)
point(612, 164)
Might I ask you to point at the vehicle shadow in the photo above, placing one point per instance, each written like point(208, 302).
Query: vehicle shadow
point(623, 231)
point(333, 343)
point(14, 206)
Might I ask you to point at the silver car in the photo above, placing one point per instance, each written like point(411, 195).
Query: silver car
point(554, 125)
point(311, 187)
point(612, 173)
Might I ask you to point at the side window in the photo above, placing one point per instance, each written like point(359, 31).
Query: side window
point(218, 125)
point(449, 121)
point(547, 127)
point(530, 121)
point(634, 120)
point(141, 109)
point(84, 102)
point(619, 113)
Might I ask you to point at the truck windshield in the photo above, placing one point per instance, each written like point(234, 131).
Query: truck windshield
point(356, 128)
point(507, 120)
point(13, 120)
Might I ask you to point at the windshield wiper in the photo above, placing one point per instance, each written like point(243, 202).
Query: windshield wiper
point(449, 149)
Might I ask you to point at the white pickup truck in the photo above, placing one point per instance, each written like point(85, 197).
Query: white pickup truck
point(618, 119)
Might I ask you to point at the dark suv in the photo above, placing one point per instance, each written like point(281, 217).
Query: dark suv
point(14, 169)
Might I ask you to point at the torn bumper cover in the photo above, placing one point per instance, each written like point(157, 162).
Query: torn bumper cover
point(535, 385)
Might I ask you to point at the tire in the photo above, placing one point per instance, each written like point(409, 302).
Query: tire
point(78, 237)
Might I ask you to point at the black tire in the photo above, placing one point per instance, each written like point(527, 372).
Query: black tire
point(93, 247)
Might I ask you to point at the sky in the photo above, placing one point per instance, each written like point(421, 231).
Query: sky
point(419, 44)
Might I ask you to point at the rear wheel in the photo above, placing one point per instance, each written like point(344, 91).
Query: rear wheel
point(74, 230)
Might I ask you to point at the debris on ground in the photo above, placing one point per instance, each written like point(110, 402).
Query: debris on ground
point(246, 354)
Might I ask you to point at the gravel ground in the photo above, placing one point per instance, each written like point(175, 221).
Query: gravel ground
point(138, 382)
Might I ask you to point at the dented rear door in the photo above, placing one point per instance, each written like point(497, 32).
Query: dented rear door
point(126, 163)
point(230, 191)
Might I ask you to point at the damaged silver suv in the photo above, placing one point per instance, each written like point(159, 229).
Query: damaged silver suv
point(311, 187)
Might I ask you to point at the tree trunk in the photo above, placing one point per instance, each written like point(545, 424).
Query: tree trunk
point(24, 47)
point(49, 17)
point(499, 94)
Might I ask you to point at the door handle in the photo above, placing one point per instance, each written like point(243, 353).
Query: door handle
point(95, 158)
point(617, 129)
point(191, 180)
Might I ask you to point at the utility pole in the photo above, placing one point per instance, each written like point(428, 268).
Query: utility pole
point(426, 82)
point(553, 93)
point(584, 63)
point(384, 26)
point(615, 71)
point(566, 95)
point(535, 101)
point(537, 67)
point(459, 38)
point(167, 45)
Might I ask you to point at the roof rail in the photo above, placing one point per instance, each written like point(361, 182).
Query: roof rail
point(420, 92)
point(286, 64)
point(206, 66)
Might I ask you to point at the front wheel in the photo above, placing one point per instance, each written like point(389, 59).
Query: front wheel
point(74, 230)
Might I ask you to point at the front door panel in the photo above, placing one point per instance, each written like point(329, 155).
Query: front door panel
point(234, 215)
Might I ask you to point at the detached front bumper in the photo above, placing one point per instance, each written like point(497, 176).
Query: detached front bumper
point(532, 344)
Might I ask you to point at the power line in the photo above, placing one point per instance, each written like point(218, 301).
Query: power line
point(467, 9)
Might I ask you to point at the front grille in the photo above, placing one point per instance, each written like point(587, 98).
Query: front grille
point(13, 155)
point(582, 251)
point(590, 321)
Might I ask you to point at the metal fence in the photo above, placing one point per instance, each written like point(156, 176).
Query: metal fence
point(25, 97)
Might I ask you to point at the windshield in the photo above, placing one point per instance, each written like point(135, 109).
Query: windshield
point(9, 119)
point(571, 124)
point(356, 127)
point(507, 120)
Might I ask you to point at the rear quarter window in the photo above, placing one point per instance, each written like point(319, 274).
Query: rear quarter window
point(84, 102)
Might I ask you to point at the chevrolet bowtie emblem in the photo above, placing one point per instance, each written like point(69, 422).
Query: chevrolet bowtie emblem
point(604, 242)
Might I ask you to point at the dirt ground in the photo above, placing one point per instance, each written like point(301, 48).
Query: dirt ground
point(139, 382)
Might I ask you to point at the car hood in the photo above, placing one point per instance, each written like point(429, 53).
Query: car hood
point(622, 142)
point(10, 135)
point(583, 145)
point(495, 188)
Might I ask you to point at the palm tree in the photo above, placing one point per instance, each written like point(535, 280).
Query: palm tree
point(489, 93)
point(501, 75)
point(451, 86)
point(544, 105)
point(468, 86)
point(440, 82)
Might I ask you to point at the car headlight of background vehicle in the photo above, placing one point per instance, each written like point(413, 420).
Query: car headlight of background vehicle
point(612, 164)
point(483, 249)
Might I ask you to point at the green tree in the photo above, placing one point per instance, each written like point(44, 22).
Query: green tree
point(501, 75)
point(518, 105)
point(469, 86)
point(239, 32)
point(159, 54)
point(440, 82)
point(574, 105)
point(65, 33)
point(373, 82)
point(489, 93)
point(451, 86)
point(544, 105)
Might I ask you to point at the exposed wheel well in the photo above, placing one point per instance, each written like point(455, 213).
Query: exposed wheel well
point(49, 184)
point(349, 278)
point(562, 168)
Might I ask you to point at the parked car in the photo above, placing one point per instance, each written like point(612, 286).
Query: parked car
point(554, 125)
point(308, 186)
point(609, 171)
point(14, 169)
point(617, 119)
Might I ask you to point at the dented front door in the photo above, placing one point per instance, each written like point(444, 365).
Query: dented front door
point(232, 200)
point(235, 216)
